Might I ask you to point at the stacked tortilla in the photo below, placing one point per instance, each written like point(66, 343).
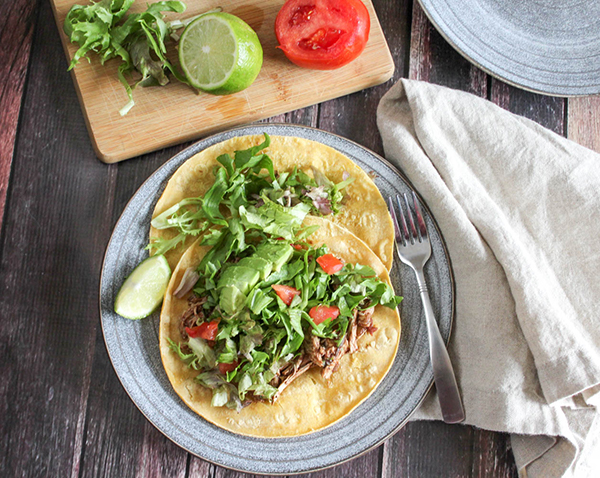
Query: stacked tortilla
point(361, 233)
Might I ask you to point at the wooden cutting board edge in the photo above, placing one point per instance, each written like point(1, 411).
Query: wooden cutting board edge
point(110, 158)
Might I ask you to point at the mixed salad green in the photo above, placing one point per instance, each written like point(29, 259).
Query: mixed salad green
point(266, 305)
point(245, 197)
point(137, 39)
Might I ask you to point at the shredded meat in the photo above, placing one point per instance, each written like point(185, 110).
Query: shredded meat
point(325, 354)
point(322, 353)
point(333, 362)
point(365, 317)
point(314, 351)
point(353, 334)
point(290, 378)
point(192, 315)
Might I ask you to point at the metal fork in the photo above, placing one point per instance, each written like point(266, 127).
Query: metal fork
point(414, 249)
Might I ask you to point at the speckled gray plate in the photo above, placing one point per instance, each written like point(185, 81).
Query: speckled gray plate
point(134, 351)
point(547, 46)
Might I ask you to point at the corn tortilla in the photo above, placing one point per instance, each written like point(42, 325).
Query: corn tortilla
point(364, 213)
point(309, 403)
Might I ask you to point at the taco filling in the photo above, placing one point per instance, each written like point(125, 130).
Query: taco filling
point(253, 170)
point(264, 315)
point(276, 321)
point(248, 179)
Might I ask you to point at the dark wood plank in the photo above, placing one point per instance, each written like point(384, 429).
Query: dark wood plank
point(583, 121)
point(367, 465)
point(17, 20)
point(492, 455)
point(118, 440)
point(546, 110)
point(354, 116)
point(305, 116)
point(433, 60)
point(50, 262)
point(201, 469)
point(429, 449)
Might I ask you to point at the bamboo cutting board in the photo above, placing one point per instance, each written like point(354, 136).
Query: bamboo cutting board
point(163, 116)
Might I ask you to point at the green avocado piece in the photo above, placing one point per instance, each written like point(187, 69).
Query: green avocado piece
point(278, 254)
point(231, 299)
point(244, 278)
point(263, 266)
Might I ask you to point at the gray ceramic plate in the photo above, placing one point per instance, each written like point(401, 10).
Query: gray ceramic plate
point(134, 352)
point(547, 46)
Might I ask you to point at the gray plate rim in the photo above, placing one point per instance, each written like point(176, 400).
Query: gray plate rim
point(173, 163)
point(475, 57)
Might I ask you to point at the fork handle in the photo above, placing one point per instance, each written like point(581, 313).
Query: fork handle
point(443, 374)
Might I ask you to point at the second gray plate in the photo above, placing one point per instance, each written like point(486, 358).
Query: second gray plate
point(134, 351)
point(547, 46)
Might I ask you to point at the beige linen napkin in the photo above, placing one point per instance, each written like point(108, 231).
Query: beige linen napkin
point(519, 207)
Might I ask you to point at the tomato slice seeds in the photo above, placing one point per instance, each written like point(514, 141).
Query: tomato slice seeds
point(322, 34)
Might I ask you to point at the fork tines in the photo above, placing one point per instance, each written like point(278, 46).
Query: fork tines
point(408, 231)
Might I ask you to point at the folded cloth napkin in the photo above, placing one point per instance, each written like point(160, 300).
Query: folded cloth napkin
point(519, 208)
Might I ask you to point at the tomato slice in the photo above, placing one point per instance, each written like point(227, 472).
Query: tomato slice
point(228, 367)
point(321, 313)
point(330, 264)
point(322, 34)
point(285, 293)
point(206, 330)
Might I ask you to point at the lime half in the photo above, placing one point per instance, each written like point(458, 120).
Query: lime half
point(143, 291)
point(220, 54)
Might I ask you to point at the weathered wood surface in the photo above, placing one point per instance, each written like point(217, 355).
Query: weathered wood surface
point(169, 115)
point(17, 21)
point(63, 411)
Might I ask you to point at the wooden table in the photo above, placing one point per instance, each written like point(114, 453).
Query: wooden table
point(63, 412)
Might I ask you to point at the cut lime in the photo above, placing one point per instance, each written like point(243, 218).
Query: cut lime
point(143, 291)
point(220, 53)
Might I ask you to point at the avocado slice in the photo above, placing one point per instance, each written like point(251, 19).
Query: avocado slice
point(278, 254)
point(241, 277)
point(231, 299)
point(263, 266)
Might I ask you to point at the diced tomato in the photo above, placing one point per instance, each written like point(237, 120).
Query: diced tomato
point(298, 247)
point(228, 367)
point(321, 313)
point(330, 264)
point(285, 293)
point(206, 330)
point(322, 34)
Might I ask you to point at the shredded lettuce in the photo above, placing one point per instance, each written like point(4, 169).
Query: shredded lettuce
point(247, 206)
point(139, 40)
point(247, 187)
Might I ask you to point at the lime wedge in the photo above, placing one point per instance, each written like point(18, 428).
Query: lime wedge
point(220, 54)
point(143, 291)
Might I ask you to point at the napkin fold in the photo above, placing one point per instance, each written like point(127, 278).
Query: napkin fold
point(519, 208)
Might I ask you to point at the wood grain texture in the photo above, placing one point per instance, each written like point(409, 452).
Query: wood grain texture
point(174, 113)
point(548, 111)
point(63, 411)
point(584, 121)
point(17, 20)
point(50, 261)
point(354, 116)
point(433, 60)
